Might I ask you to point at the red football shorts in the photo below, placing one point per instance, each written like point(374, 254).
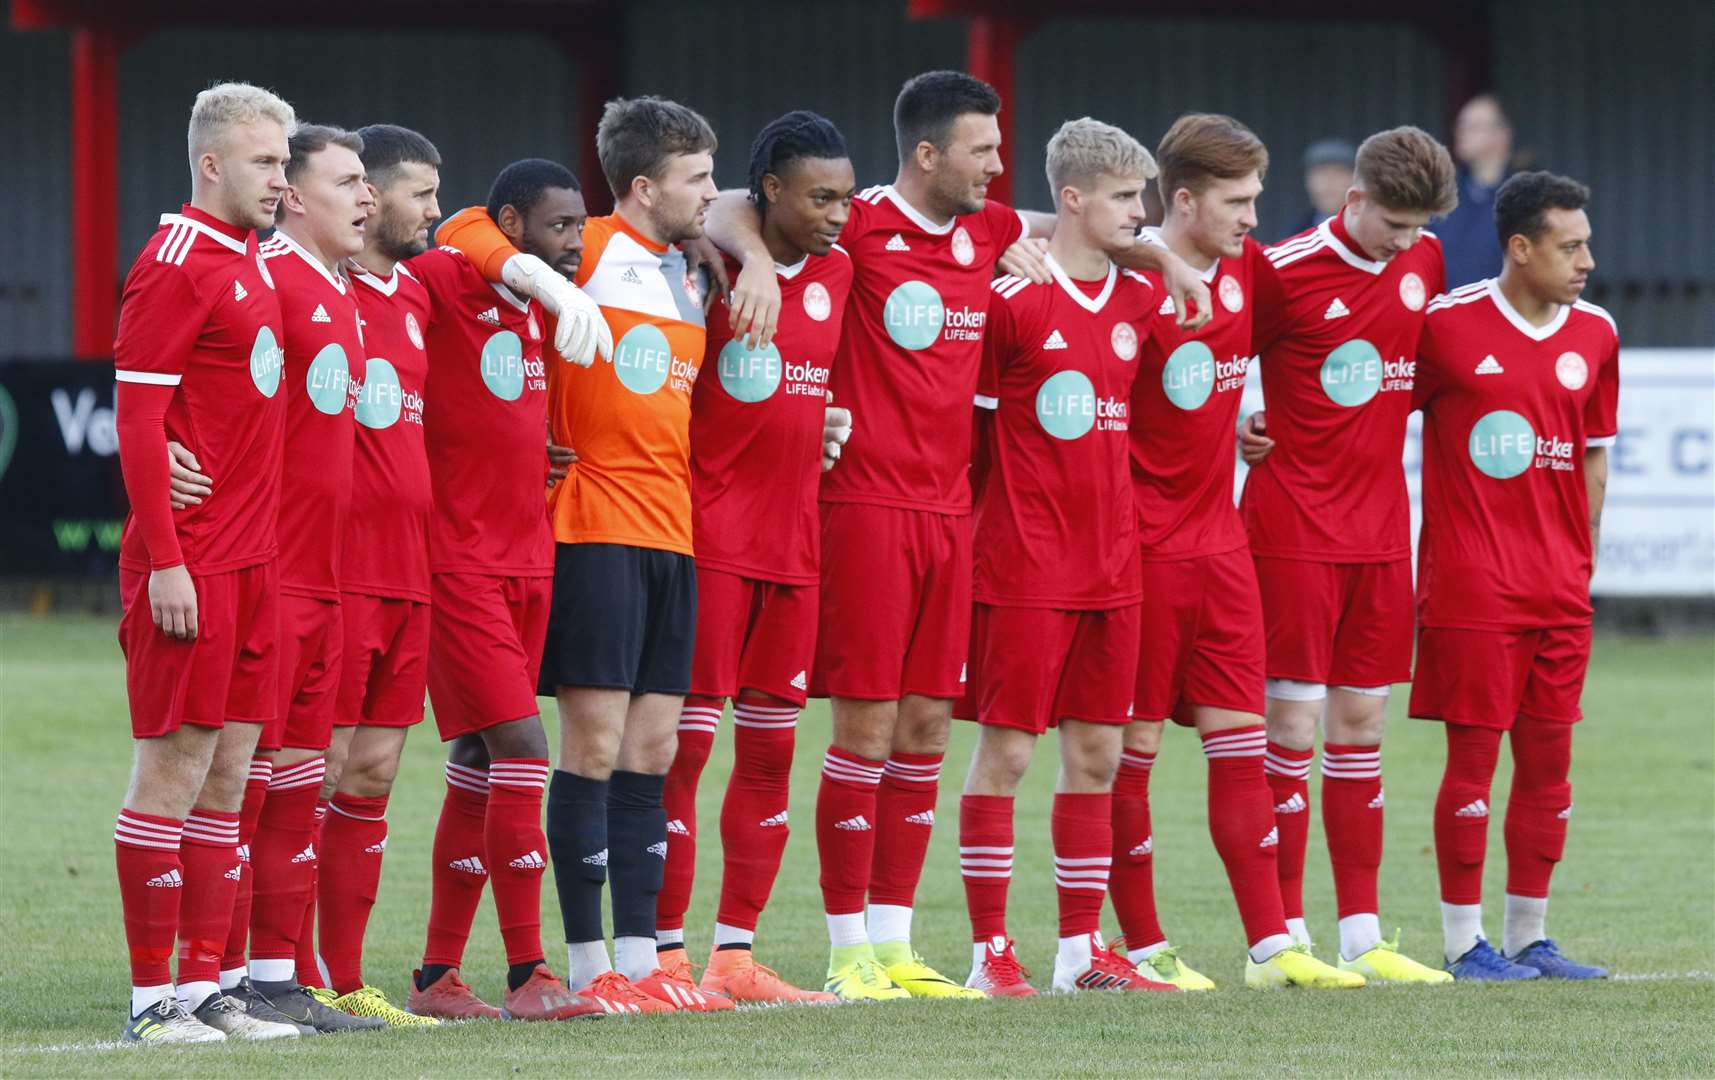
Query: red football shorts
point(1486, 678)
point(752, 635)
point(485, 649)
point(385, 664)
point(1202, 637)
point(226, 673)
point(896, 603)
point(1338, 624)
point(1034, 667)
point(312, 638)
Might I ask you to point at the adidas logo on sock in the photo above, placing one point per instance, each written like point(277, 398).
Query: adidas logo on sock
point(238, 292)
point(243, 852)
point(1336, 310)
point(1271, 840)
point(491, 316)
point(1490, 366)
point(898, 243)
point(677, 828)
point(320, 315)
point(1479, 808)
point(630, 277)
point(1565, 814)
point(799, 682)
point(854, 824)
point(772, 822)
point(1376, 803)
point(472, 865)
point(235, 874)
point(1144, 848)
point(530, 860)
point(1293, 805)
point(306, 855)
point(926, 817)
point(168, 880)
point(377, 849)
point(658, 849)
point(598, 859)
point(1055, 341)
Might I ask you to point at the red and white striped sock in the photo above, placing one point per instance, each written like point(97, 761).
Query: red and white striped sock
point(284, 857)
point(457, 872)
point(845, 839)
point(754, 825)
point(234, 964)
point(515, 850)
point(1352, 818)
point(208, 853)
point(1082, 826)
point(698, 721)
point(1131, 880)
point(308, 961)
point(151, 888)
point(354, 840)
point(1288, 773)
point(985, 862)
point(1241, 821)
point(904, 822)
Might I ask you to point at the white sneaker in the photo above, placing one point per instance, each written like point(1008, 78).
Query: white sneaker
point(223, 1014)
point(166, 1023)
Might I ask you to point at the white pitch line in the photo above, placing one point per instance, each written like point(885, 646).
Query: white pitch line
point(1664, 976)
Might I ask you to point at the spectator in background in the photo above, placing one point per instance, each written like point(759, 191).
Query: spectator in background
point(1327, 175)
point(1483, 150)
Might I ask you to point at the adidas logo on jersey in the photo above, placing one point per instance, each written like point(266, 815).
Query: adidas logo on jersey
point(773, 822)
point(926, 817)
point(1565, 814)
point(1144, 848)
point(1490, 366)
point(306, 855)
point(854, 824)
point(1293, 805)
point(1473, 809)
point(530, 860)
point(1271, 840)
point(238, 292)
point(598, 859)
point(1336, 310)
point(491, 316)
point(235, 874)
point(1166, 307)
point(677, 828)
point(472, 865)
point(898, 243)
point(630, 276)
point(658, 849)
point(168, 880)
point(320, 315)
point(1055, 341)
point(1377, 802)
point(800, 681)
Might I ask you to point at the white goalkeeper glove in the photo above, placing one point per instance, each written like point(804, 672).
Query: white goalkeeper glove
point(580, 331)
point(836, 429)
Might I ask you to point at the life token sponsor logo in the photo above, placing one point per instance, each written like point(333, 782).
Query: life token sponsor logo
point(381, 402)
point(328, 380)
point(1490, 366)
point(412, 330)
point(1411, 292)
point(1067, 407)
point(644, 361)
point(1124, 340)
point(1232, 294)
point(914, 315)
point(963, 249)
point(1355, 372)
point(1336, 310)
point(1503, 444)
point(503, 365)
point(320, 315)
point(1571, 370)
point(817, 303)
point(266, 360)
point(262, 268)
point(1189, 375)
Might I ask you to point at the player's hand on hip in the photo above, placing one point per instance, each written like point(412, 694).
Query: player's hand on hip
point(1254, 443)
point(1027, 258)
point(836, 430)
point(188, 485)
point(1189, 292)
point(173, 602)
point(754, 307)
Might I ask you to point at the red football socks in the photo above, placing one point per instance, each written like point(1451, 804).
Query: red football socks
point(284, 858)
point(238, 930)
point(1540, 806)
point(1288, 773)
point(209, 858)
point(1132, 874)
point(1241, 820)
point(151, 887)
point(1352, 818)
point(753, 814)
point(1462, 812)
point(515, 850)
point(697, 724)
point(354, 839)
point(458, 872)
point(1082, 826)
point(845, 828)
point(985, 861)
point(904, 820)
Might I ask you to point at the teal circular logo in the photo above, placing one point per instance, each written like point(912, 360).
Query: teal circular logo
point(503, 365)
point(266, 359)
point(642, 359)
point(328, 379)
point(1189, 375)
point(749, 375)
point(914, 315)
point(1066, 405)
point(1352, 373)
point(380, 400)
point(1502, 444)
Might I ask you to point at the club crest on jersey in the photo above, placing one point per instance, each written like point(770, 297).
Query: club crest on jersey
point(817, 303)
point(412, 330)
point(1571, 370)
point(1411, 292)
point(1124, 340)
point(262, 268)
point(963, 249)
point(1232, 294)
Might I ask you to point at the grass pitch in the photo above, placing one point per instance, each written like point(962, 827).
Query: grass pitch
point(1636, 892)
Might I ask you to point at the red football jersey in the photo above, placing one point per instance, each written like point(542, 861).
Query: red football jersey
point(1055, 525)
point(1185, 409)
point(200, 313)
point(486, 424)
point(756, 430)
point(387, 532)
point(910, 349)
point(1508, 410)
point(1337, 360)
point(323, 344)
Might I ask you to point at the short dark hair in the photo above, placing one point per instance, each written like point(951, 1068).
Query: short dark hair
point(520, 185)
point(929, 103)
point(636, 136)
point(388, 146)
point(798, 134)
point(307, 139)
point(1523, 202)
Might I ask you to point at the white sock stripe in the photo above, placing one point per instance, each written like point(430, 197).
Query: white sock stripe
point(306, 774)
point(1093, 886)
point(711, 716)
point(767, 710)
point(1094, 873)
point(466, 771)
point(1358, 773)
point(519, 767)
point(740, 720)
point(136, 841)
point(130, 820)
point(1102, 860)
point(986, 864)
point(986, 873)
point(1239, 738)
point(833, 771)
point(1142, 761)
point(964, 850)
point(1280, 766)
point(698, 726)
point(912, 774)
point(261, 769)
point(211, 830)
point(1374, 758)
point(909, 768)
point(466, 785)
point(335, 807)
